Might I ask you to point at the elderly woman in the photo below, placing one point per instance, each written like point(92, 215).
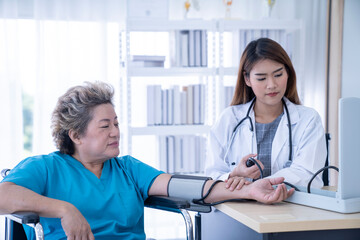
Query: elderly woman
point(84, 190)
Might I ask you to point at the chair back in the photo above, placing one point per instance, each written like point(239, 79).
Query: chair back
point(325, 176)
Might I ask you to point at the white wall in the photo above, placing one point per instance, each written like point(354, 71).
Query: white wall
point(351, 49)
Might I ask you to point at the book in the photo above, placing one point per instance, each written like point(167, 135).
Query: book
point(146, 64)
point(256, 34)
point(202, 150)
point(183, 106)
point(197, 49)
point(178, 151)
point(177, 50)
point(170, 106)
point(170, 154)
point(204, 49)
point(283, 39)
point(184, 45)
point(150, 58)
point(242, 41)
point(228, 95)
point(162, 153)
point(272, 34)
point(191, 160)
point(264, 33)
point(197, 153)
point(290, 45)
point(150, 98)
point(157, 105)
point(191, 44)
point(189, 105)
point(249, 36)
point(196, 104)
point(202, 103)
point(177, 105)
point(164, 107)
point(186, 153)
point(146, 61)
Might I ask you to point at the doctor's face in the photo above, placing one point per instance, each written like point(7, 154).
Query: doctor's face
point(268, 80)
point(101, 139)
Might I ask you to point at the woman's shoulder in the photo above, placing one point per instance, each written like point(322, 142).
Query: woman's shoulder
point(44, 158)
point(130, 164)
point(43, 162)
point(305, 115)
point(305, 112)
point(234, 112)
point(230, 116)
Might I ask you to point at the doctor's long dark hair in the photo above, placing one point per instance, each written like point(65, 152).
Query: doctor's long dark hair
point(255, 51)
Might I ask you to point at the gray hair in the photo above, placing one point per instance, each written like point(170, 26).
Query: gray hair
point(74, 111)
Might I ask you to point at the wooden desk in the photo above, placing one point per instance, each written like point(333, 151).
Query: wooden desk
point(297, 221)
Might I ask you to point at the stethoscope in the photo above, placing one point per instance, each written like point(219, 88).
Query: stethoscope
point(247, 117)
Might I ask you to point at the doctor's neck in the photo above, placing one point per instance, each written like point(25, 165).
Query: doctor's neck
point(267, 113)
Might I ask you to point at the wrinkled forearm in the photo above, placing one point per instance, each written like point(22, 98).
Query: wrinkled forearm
point(16, 198)
point(220, 192)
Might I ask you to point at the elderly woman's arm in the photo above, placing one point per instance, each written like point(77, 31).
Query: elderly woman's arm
point(22, 199)
point(260, 190)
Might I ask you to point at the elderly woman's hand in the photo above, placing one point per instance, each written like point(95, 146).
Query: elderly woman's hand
point(262, 190)
point(75, 225)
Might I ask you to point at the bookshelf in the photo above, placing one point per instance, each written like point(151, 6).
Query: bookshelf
point(217, 77)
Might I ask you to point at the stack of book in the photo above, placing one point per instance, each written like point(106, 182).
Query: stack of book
point(228, 95)
point(182, 154)
point(146, 61)
point(175, 106)
point(190, 48)
point(284, 38)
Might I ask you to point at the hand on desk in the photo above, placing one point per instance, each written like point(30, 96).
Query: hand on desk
point(262, 190)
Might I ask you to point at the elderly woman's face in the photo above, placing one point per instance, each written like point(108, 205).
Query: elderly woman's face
point(101, 140)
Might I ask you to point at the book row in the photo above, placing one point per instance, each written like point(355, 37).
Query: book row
point(190, 48)
point(228, 95)
point(175, 106)
point(284, 38)
point(182, 154)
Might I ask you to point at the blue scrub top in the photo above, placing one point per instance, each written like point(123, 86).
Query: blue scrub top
point(113, 205)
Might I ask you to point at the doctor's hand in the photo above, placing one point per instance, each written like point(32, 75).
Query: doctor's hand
point(262, 190)
point(75, 225)
point(237, 183)
point(241, 170)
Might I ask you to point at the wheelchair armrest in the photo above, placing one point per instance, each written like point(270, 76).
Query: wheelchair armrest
point(174, 204)
point(199, 208)
point(24, 217)
point(167, 203)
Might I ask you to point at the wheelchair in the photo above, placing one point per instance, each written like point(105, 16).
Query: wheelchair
point(15, 231)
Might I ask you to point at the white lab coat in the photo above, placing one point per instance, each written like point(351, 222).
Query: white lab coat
point(308, 140)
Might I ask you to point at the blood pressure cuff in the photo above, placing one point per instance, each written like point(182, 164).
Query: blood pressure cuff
point(187, 187)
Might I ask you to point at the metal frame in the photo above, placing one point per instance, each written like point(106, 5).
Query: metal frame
point(39, 232)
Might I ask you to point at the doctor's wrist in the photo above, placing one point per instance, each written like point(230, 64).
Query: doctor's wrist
point(234, 173)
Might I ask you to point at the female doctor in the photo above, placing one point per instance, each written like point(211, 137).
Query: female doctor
point(266, 121)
